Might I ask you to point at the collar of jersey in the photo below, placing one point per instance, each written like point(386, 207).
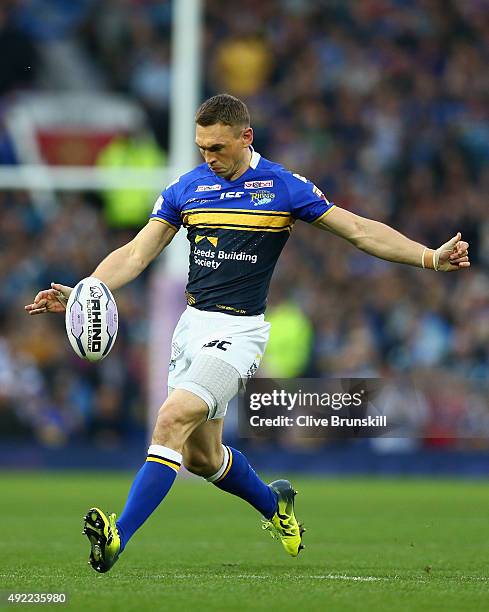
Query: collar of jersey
point(255, 158)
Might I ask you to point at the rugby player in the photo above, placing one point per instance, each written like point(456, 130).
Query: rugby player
point(239, 210)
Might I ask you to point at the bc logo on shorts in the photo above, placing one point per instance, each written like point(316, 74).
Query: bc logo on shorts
point(220, 344)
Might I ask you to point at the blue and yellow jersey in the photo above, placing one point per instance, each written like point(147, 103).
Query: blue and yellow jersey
point(237, 230)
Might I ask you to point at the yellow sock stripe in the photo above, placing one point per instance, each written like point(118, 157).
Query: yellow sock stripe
point(228, 467)
point(164, 462)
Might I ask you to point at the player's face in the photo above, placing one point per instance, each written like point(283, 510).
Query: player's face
point(225, 149)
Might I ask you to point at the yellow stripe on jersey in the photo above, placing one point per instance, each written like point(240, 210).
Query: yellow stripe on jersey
point(234, 219)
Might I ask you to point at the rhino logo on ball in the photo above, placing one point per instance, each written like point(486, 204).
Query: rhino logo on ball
point(96, 292)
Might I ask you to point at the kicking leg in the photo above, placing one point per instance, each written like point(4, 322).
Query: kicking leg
point(229, 470)
point(204, 455)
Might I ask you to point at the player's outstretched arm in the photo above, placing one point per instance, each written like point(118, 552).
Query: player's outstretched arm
point(117, 269)
point(124, 264)
point(387, 243)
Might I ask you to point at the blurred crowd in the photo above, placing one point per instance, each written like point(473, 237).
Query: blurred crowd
point(384, 104)
point(45, 390)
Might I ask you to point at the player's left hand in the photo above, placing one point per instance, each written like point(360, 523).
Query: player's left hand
point(453, 255)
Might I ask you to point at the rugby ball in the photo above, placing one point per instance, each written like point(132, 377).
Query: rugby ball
point(91, 319)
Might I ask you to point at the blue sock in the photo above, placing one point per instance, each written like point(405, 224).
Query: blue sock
point(236, 476)
point(152, 483)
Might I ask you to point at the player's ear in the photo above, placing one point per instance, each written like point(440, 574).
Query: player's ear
point(247, 136)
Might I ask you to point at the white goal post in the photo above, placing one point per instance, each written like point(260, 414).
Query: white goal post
point(39, 177)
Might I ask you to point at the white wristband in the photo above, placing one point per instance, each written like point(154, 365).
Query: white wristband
point(422, 258)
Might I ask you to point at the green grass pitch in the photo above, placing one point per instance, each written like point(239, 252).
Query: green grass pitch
point(370, 545)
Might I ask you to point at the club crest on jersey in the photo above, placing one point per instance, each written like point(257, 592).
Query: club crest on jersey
point(259, 198)
point(215, 187)
point(258, 184)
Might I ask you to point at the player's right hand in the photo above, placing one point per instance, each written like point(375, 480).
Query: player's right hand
point(50, 300)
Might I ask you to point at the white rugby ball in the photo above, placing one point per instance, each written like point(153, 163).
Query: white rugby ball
point(91, 319)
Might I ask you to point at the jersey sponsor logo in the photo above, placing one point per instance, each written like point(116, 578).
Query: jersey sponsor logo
point(231, 194)
point(206, 258)
point(238, 256)
point(220, 344)
point(258, 184)
point(198, 201)
point(212, 239)
point(260, 198)
point(215, 187)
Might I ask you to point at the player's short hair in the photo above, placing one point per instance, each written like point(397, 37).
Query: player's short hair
point(225, 109)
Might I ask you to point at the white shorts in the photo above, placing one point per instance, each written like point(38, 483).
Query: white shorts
point(238, 341)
